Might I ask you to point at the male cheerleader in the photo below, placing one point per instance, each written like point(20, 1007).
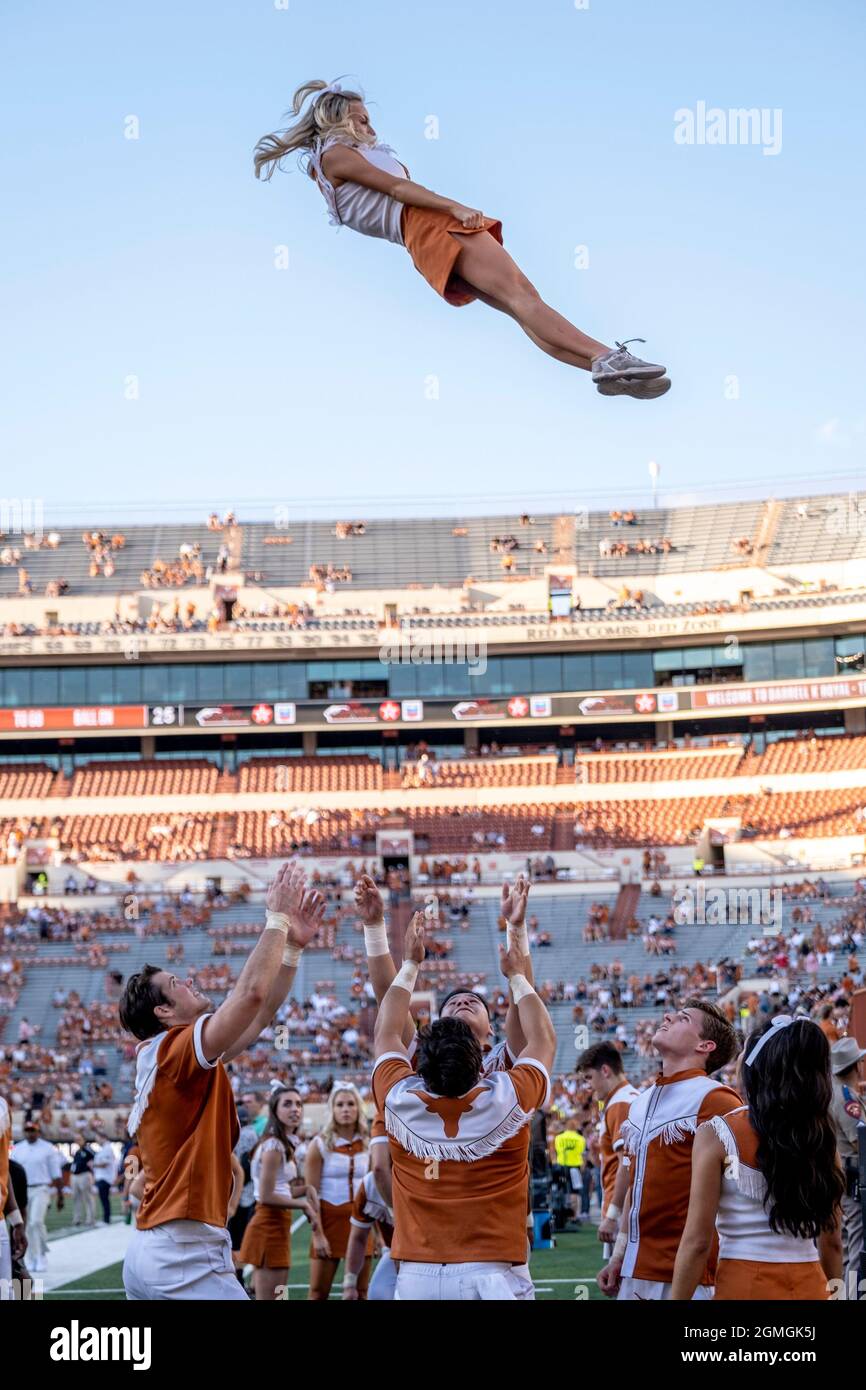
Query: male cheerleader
point(459, 1141)
point(184, 1112)
point(602, 1065)
point(659, 1134)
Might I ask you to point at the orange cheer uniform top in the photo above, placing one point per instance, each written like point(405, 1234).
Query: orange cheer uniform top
point(460, 1164)
point(187, 1125)
point(610, 1141)
point(756, 1262)
point(658, 1136)
point(344, 1168)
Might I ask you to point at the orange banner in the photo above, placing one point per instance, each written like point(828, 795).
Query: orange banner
point(76, 717)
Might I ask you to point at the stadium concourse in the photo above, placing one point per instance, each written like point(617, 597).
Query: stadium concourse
point(658, 719)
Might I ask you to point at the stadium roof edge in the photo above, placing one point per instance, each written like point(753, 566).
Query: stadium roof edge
point(392, 505)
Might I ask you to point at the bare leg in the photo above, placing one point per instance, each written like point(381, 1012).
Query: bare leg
point(322, 1273)
point(488, 268)
point(561, 355)
point(266, 1281)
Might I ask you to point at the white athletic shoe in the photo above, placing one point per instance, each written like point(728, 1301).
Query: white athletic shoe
point(619, 362)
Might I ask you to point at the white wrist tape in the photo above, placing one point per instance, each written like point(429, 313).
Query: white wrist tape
point(612, 1212)
point(519, 937)
point(14, 1218)
point(406, 975)
point(520, 988)
point(292, 954)
point(277, 921)
point(350, 1281)
point(619, 1246)
point(376, 940)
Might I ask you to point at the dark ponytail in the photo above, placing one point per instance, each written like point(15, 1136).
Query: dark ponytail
point(789, 1090)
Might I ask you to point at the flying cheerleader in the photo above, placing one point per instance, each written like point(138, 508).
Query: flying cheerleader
point(457, 249)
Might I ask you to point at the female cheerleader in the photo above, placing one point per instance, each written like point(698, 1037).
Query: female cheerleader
point(337, 1162)
point(279, 1191)
point(457, 249)
point(767, 1178)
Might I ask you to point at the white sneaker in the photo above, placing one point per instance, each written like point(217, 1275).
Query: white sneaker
point(619, 362)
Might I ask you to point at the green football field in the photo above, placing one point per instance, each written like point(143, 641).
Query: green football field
point(566, 1273)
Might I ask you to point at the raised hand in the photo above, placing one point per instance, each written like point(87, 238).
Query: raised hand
point(514, 898)
point(368, 901)
point(286, 891)
point(413, 946)
point(510, 961)
point(306, 919)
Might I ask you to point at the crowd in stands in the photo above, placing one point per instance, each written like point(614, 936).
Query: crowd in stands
point(616, 550)
point(187, 567)
point(325, 578)
point(101, 549)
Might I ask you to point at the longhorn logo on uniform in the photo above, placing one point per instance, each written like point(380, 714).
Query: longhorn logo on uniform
point(450, 1108)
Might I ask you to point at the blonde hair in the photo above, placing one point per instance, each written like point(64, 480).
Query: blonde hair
point(326, 117)
point(328, 1133)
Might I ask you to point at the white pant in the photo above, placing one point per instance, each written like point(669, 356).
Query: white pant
point(83, 1199)
point(38, 1202)
point(632, 1290)
point(384, 1280)
point(5, 1262)
point(484, 1280)
point(181, 1260)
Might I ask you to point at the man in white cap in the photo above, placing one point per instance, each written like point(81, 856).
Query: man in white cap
point(847, 1111)
point(41, 1162)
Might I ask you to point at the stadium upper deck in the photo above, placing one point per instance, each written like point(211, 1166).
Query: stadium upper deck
point(407, 552)
point(670, 618)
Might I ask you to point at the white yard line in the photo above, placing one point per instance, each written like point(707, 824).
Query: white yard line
point(73, 1256)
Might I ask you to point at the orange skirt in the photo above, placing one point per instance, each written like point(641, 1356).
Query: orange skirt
point(427, 237)
point(761, 1281)
point(336, 1226)
point(267, 1241)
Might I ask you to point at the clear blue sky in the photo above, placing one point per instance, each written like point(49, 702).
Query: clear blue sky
point(154, 257)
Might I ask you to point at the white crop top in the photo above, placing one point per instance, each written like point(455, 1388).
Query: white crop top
point(286, 1172)
point(352, 205)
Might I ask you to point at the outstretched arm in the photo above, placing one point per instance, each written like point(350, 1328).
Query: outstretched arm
point(303, 911)
point(535, 1021)
point(232, 1027)
point(380, 962)
point(394, 1009)
point(513, 904)
point(343, 163)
